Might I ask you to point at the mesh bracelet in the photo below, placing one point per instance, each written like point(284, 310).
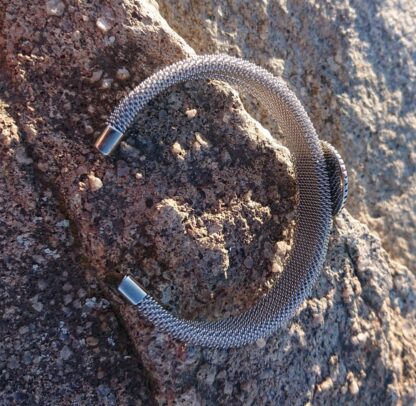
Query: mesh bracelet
point(322, 185)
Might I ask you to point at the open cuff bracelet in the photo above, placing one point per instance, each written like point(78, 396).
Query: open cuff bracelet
point(322, 185)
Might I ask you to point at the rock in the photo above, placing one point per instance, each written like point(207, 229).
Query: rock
point(178, 150)
point(187, 229)
point(95, 183)
point(343, 71)
point(191, 113)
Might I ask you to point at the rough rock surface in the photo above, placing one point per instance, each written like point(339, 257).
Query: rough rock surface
point(60, 342)
point(353, 66)
point(197, 203)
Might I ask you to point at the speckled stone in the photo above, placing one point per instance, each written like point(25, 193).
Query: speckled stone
point(353, 67)
point(184, 228)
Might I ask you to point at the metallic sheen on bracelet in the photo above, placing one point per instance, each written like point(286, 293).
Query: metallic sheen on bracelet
point(322, 184)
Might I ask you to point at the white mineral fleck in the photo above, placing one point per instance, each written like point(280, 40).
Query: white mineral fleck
point(95, 183)
point(177, 149)
point(104, 24)
point(201, 140)
point(122, 74)
point(326, 385)
point(106, 83)
point(353, 387)
point(191, 113)
point(76, 35)
point(55, 8)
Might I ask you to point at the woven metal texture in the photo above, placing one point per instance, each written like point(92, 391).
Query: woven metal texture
point(313, 212)
point(338, 177)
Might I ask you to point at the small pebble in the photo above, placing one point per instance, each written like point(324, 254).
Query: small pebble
point(191, 113)
point(55, 8)
point(178, 150)
point(122, 74)
point(95, 183)
point(104, 24)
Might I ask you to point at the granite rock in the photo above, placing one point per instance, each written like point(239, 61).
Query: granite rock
point(353, 66)
point(197, 203)
point(44, 358)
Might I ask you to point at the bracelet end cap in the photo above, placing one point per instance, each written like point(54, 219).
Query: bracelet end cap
point(108, 140)
point(131, 290)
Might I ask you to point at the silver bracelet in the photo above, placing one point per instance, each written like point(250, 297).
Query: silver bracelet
point(322, 185)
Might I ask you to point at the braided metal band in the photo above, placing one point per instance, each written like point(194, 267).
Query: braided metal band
point(313, 215)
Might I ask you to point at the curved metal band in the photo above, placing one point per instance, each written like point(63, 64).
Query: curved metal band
point(313, 220)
